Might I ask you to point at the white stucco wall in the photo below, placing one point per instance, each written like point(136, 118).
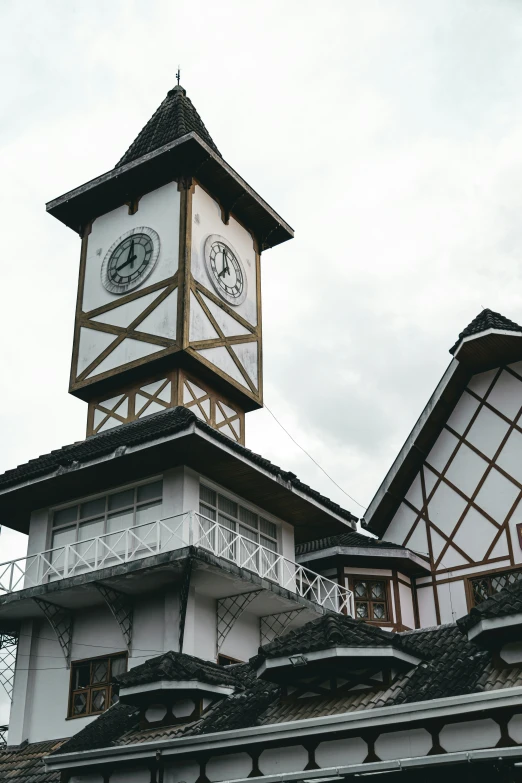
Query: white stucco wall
point(406, 601)
point(158, 210)
point(206, 220)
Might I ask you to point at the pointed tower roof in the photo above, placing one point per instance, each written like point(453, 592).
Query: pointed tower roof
point(175, 117)
point(484, 321)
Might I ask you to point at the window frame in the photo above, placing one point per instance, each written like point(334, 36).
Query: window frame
point(387, 580)
point(489, 575)
point(78, 502)
point(259, 512)
point(107, 686)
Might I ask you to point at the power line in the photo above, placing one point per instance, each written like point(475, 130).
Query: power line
point(313, 460)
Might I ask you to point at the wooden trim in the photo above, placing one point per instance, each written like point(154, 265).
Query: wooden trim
point(79, 301)
point(375, 578)
point(397, 599)
point(107, 686)
point(137, 294)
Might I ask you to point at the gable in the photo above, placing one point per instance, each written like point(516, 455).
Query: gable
point(462, 506)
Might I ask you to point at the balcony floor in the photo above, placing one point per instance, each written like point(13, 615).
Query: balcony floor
point(211, 576)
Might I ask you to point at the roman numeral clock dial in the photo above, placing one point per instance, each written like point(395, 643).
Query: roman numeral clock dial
point(130, 260)
point(225, 269)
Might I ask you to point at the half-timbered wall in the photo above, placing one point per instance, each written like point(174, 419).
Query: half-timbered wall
point(463, 506)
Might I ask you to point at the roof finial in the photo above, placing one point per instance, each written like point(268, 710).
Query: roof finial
point(178, 75)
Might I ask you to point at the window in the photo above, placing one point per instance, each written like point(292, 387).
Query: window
point(226, 660)
point(483, 587)
point(107, 514)
point(91, 690)
point(371, 600)
point(237, 519)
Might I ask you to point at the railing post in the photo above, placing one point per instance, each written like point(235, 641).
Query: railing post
point(66, 560)
point(192, 519)
point(158, 536)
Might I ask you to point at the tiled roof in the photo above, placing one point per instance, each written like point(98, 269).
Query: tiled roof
point(174, 118)
point(508, 601)
point(24, 764)
point(178, 666)
point(348, 539)
point(330, 630)
point(485, 320)
point(452, 666)
point(157, 425)
point(104, 731)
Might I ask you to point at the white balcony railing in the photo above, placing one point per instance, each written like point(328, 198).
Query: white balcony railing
point(169, 534)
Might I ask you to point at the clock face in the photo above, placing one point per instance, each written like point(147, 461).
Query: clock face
point(225, 270)
point(130, 260)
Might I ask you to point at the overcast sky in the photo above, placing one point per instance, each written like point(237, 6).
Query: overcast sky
point(388, 133)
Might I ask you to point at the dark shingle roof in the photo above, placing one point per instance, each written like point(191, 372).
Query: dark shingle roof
point(178, 666)
point(452, 666)
point(330, 630)
point(24, 764)
point(508, 601)
point(174, 118)
point(104, 731)
point(147, 429)
point(351, 538)
point(485, 320)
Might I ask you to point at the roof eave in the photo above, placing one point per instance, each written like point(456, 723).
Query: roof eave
point(495, 631)
point(489, 348)
point(192, 446)
point(387, 654)
point(412, 561)
point(416, 448)
point(186, 156)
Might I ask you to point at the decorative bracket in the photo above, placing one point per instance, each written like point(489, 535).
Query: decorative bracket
point(8, 645)
point(61, 622)
point(228, 611)
point(183, 599)
point(121, 607)
point(273, 625)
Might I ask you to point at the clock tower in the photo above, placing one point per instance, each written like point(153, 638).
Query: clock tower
point(169, 296)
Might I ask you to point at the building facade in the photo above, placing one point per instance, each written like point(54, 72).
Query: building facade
point(189, 611)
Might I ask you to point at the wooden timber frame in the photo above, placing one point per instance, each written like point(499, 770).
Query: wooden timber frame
point(176, 356)
point(489, 564)
point(176, 387)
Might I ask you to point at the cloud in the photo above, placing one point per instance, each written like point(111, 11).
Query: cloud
point(386, 132)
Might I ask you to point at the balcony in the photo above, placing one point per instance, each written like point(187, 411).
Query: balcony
point(167, 535)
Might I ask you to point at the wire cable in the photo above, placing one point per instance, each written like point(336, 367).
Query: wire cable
point(313, 460)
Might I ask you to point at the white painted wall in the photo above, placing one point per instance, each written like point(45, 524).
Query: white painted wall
point(158, 210)
point(206, 219)
point(452, 600)
point(426, 603)
point(406, 600)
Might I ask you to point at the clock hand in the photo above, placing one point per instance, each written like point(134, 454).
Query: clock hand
point(225, 264)
point(130, 258)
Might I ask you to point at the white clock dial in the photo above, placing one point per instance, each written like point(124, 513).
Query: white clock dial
point(130, 260)
point(225, 269)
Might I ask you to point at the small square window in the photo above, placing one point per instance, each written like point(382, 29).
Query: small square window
point(121, 499)
point(371, 599)
point(65, 516)
point(92, 508)
point(150, 491)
